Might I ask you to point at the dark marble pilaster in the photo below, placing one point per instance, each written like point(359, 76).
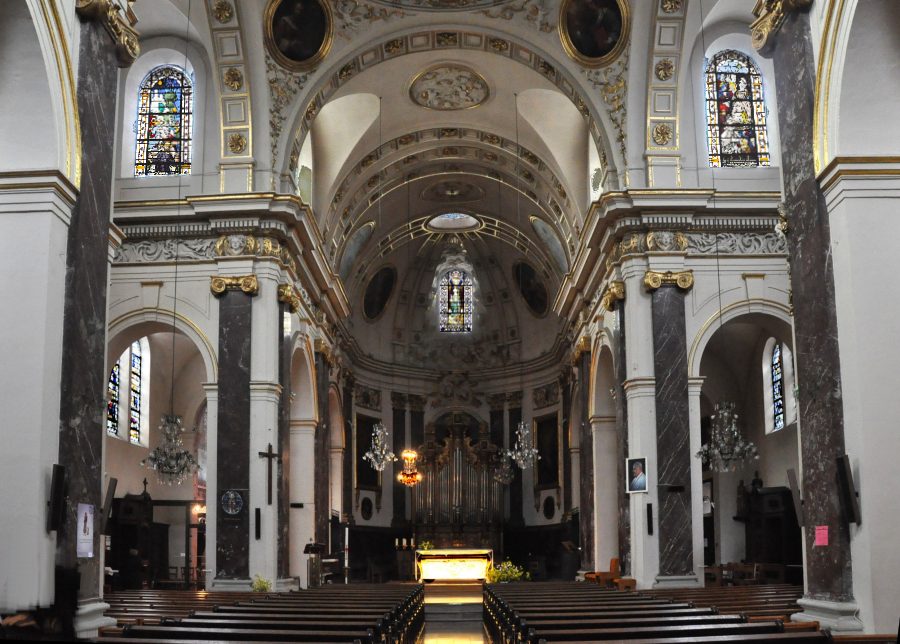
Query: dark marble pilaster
point(83, 382)
point(673, 452)
point(496, 422)
point(284, 445)
point(417, 420)
point(586, 467)
point(568, 483)
point(347, 469)
point(233, 451)
point(516, 487)
point(621, 403)
point(323, 460)
point(398, 407)
point(828, 569)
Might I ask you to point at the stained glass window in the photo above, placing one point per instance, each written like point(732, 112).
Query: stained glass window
point(456, 305)
point(777, 388)
point(127, 393)
point(164, 123)
point(735, 112)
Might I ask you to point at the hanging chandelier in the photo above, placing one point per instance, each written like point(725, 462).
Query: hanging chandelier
point(523, 453)
point(409, 476)
point(380, 453)
point(503, 471)
point(172, 462)
point(726, 450)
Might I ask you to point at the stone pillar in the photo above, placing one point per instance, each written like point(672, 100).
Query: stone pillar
point(285, 351)
point(83, 376)
point(233, 516)
point(347, 483)
point(398, 432)
point(829, 584)
point(673, 449)
point(565, 386)
point(302, 490)
point(586, 465)
point(606, 490)
point(212, 469)
point(321, 454)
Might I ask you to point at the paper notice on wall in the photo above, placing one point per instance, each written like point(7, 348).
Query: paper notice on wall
point(821, 535)
point(84, 530)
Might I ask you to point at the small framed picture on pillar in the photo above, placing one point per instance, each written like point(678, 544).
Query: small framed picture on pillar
point(636, 475)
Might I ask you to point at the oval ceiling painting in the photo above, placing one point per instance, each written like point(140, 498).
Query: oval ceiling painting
point(531, 287)
point(354, 245)
point(593, 32)
point(378, 292)
point(298, 32)
point(554, 246)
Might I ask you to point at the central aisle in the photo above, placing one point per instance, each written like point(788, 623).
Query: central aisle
point(453, 613)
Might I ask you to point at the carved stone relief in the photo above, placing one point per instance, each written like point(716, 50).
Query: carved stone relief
point(449, 87)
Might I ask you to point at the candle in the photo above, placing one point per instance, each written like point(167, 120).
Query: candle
point(397, 543)
point(413, 542)
point(404, 542)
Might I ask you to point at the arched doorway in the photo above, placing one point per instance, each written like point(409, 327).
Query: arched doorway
point(607, 482)
point(303, 419)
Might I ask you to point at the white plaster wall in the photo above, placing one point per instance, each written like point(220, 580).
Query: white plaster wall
point(866, 313)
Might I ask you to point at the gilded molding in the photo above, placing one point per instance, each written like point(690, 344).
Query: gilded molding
point(671, 6)
point(120, 28)
point(245, 283)
point(615, 291)
point(666, 241)
point(770, 15)
point(664, 69)
point(663, 133)
point(223, 11)
point(233, 79)
point(655, 279)
point(237, 143)
point(287, 295)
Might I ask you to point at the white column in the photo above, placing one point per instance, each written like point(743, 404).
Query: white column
point(606, 490)
point(35, 211)
point(302, 520)
point(695, 385)
point(212, 491)
point(573, 483)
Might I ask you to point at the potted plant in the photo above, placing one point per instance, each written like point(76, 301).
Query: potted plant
point(260, 584)
point(505, 572)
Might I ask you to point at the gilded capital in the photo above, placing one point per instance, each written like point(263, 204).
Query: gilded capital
point(614, 292)
point(120, 28)
point(770, 15)
point(287, 295)
point(245, 283)
point(655, 279)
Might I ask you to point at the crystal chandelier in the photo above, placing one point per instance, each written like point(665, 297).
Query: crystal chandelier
point(522, 452)
point(410, 476)
point(726, 450)
point(503, 472)
point(380, 453)
point(173, 463)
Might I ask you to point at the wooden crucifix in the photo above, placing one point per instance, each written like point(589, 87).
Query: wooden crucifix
point(270, 456)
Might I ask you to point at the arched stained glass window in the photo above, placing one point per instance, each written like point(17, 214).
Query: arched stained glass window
point(777, 388)
point(735, 112)
point(127, 406)
point(455, 302)
point(164, 123)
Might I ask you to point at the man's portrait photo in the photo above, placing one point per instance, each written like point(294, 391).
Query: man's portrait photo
point(636, 475)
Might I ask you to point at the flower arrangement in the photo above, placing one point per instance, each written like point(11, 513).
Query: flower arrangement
point(260, 584)
point(507, 571)
point(425, 544)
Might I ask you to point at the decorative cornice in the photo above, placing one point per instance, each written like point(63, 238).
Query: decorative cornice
point(615, 291)
point(287, 295)
point(655, 279)
point(120, 28)
point(770, 15)
point(245, 283)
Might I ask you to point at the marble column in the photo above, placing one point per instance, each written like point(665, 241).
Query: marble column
point(284, 445)
point(322, 463)
point(586, 466)
point(232, 563)
point(347, 483)
point(398, 433)
point(83, 382)
point(673, 453)
point(565, 386)
point(621, 404)
point(829, 584)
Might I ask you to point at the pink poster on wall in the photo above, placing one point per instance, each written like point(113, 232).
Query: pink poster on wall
point(821, 535)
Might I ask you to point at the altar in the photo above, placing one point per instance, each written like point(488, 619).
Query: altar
point(453, 563)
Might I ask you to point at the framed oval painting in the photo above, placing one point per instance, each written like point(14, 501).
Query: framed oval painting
point(298, 33)
point(594, 32)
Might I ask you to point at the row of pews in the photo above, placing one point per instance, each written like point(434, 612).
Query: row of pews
point(583, 612)
point(383, 613)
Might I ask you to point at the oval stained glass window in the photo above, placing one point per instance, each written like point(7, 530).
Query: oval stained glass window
point(531, 287)
point(378, 292)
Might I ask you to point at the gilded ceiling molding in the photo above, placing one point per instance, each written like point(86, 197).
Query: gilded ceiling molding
point(245, 283)
point(615, 292)
point(770, 15)
point(287, 295)
point(352, 16)
point(120, 28)
point(612, 83)
point(448, 87)
point(654, 279)
point(540, 14)
point(284, 85)
point(235, 119)
point(445, 40)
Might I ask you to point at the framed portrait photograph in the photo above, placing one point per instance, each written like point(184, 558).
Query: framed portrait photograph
point(636, 475)
point(594, 32)
point(298, 33)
